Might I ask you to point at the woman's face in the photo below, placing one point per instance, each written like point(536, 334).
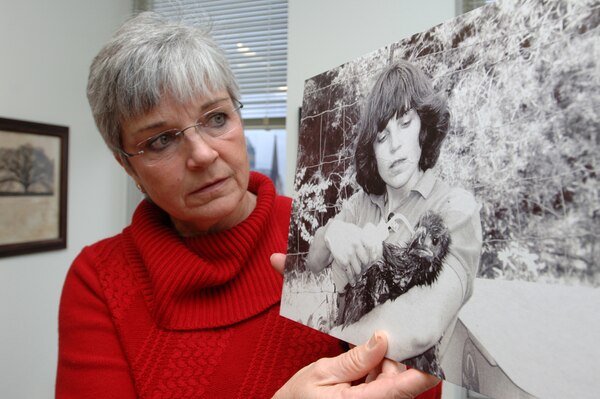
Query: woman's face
point(397, 151)
point(203, 185)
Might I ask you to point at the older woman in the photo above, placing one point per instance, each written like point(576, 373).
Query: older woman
point(183, 302)
point(402, 127)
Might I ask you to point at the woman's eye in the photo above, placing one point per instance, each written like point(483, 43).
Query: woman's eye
point(217, 120)
point(405, 121)
point(382, 136)
point(161, 141)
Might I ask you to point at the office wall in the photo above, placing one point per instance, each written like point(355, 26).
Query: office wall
point(45, 50)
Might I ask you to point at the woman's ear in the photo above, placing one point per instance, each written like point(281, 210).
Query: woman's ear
point(125, 165)
point(119, 159)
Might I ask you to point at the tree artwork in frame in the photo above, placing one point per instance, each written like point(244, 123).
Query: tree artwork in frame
point(33, 187)
point(447, 192)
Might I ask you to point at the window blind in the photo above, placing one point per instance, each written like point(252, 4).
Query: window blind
point(254, 36)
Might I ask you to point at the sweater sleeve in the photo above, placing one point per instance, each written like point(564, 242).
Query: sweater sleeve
point(91, 362)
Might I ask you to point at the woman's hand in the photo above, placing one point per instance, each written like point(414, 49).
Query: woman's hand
point(278, 262)
point(333, 377)
point(347, 247)
point(354, 248)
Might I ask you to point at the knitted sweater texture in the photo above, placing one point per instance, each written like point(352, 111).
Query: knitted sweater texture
point(148, 314)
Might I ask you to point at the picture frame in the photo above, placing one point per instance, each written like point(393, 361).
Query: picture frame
point(33, 187)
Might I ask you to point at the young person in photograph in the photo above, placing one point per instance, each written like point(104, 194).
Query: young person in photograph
point(184, 302)
point(401, 129)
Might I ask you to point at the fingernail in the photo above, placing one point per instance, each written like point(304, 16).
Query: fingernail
point(373, 341)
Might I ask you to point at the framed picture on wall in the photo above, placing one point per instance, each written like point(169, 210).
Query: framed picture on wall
point(33, 187)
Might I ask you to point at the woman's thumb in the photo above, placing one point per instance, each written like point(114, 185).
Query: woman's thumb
point(357, 362)
point(278, 262)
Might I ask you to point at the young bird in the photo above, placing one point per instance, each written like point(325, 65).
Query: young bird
point(417, 263)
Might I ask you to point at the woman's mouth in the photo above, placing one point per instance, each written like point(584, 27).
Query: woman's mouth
point(398, 163)
point(209, 187)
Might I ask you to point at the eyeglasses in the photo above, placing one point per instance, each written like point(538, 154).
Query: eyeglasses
point(213, 124)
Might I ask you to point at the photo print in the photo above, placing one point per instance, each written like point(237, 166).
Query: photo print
point(447, 192)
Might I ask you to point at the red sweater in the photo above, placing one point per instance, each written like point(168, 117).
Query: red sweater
point(149, 314)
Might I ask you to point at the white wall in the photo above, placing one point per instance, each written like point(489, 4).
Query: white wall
point(45, 50)
point(326, 33)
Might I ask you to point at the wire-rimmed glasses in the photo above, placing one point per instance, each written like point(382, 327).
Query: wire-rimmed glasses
point(213, 124)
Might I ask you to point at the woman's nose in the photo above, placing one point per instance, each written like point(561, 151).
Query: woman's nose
point(395, 140)
point(199, 152)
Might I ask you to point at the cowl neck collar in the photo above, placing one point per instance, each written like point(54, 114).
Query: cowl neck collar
point(213, 280)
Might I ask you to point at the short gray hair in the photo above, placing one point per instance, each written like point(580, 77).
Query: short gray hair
point(148, 57)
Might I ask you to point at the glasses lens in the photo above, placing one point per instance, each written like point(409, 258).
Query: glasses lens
point(160, 146)
point(219, 121)
point(215, 123)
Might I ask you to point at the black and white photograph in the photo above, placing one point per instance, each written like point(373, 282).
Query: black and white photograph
point(447, 192)
point(33, 186)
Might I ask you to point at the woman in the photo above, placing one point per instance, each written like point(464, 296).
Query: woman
point(183, 302)
point(402, 127)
